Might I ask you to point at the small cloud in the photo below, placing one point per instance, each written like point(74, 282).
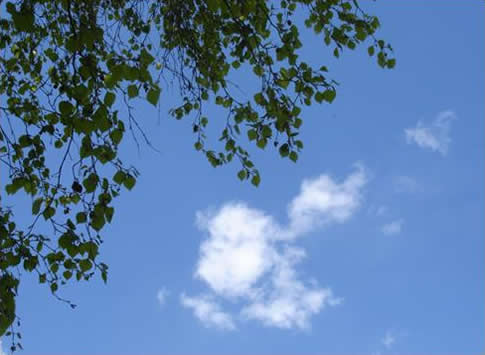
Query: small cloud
point(208, 312)
point(389, 339)
point(162, 295)
point(405, 183)
point(392, 228)
point(435, 136)
point(322, 200)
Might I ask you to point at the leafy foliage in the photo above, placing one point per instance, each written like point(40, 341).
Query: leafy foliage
point(70, 70)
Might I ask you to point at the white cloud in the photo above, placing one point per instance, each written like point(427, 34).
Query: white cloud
point(393, 227)
point(388, 340)
point(237, 253)
point(434, 136)
point(290, 303)
point(249, 258)
point(322, 200)
point(208, 312)
point(162, 295)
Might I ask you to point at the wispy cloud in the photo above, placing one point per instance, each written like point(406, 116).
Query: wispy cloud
point(162, 295)
point(389, 339)
point(435, 136)
point(208, 312)
point(250, 259)
point(393, 227)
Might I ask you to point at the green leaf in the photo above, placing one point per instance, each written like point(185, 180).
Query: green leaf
point(91, 182)
point(153, 96)
point(129, 182)
point(85, 265)
point(319, 96)
point(284, 150)
point(145, 57)
point(133, 91)
point(230, 145)
point(65, 241)
point(256, 180)
point(119, 177)
point(258, 70)
point(110, 81)
point(371, 50)
point(65, 108)
point(24, 20)
point(242, 174)
point(213, 5)
point(54, 287)
point(252, 134)
point(198, 146)
point(97, 222)
point(81, 217)
point(283, 83)
point(259, 99)
point(116, 135)
point(262, 143)
point(109, 212)
point(266, 131)
point(36, 205)
point(329, 95)
point(49, 212)
point(109, 99)
point(7, 307)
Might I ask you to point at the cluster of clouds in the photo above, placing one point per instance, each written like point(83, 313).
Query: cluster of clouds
point(249, 260)
point(434, 136)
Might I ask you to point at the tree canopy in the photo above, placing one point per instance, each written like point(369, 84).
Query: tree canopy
point(70, 71)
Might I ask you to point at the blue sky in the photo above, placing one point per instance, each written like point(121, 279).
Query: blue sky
point(373, 243)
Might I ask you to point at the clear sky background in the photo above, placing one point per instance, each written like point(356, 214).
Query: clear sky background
point(380, 251)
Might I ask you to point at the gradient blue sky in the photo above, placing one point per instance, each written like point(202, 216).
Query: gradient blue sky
point(391, 221)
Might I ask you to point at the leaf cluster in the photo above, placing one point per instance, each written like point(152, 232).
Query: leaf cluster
point(71, 70)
